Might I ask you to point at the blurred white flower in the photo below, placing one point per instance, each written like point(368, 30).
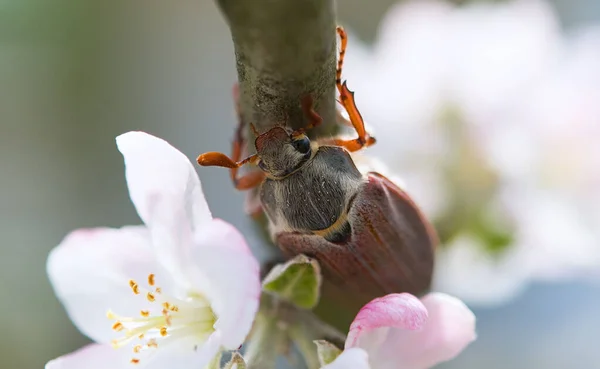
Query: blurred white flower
point(177, 291)
point(398, 331)
point(490, 114)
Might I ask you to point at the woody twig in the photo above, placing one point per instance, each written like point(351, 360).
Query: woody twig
point(284, 50)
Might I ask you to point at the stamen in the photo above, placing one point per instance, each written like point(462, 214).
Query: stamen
point(151, 279)
point(134, 287)
point(192, 316)
point(120, 342)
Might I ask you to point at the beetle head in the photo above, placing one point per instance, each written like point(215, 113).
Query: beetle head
point(282, 151)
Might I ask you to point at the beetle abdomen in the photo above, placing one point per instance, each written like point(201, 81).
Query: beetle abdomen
point(390, 247)
point(314, 197)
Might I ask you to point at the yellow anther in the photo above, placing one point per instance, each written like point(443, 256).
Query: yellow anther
point(134, 287)
point(151, 279)
point(151, 326)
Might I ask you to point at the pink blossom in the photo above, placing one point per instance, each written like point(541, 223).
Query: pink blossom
point(399, 331)
point(171, 293)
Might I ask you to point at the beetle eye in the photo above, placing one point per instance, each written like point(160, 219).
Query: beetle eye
point(302, 145)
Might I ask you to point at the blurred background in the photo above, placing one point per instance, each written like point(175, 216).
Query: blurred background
point(496, 117)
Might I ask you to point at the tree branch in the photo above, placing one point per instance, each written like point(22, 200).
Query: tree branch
point(284, 50)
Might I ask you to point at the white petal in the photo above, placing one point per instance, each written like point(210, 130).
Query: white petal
point(94, 356)
point(228, 274)
point(97, 356)
point(90, 272)
point(353, 358)
point(167, 194)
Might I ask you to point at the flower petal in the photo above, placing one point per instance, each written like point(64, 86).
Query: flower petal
point(228, 274)
point(448, 330)
point(90, 272)
point(167, 194)
point(399, 310)
point(98, 356)
point(355, 358)
point(94, 356)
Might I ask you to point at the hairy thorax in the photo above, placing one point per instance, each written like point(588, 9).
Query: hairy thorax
point(314, 198)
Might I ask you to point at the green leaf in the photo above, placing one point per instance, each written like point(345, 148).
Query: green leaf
point(297, 281)
point(326, 351)
point(236, 362)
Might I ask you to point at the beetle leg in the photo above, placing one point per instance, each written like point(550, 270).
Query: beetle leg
point(350, 145)
point(347, 100)
point(248, 181)
point(218, 159)
point(344, 42)
point(356, 119)
point(314, 119)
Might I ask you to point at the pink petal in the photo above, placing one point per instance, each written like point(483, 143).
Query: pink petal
point(167, 194)
point(449, 329)
point(97, 356)
point(399, 310)
point(228, 274)
point(94, 356)
point(90, 272)
point(352, 358)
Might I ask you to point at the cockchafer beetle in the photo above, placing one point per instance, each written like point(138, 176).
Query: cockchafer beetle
point(367, 234)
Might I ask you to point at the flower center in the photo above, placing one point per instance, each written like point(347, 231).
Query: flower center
point(167, 319)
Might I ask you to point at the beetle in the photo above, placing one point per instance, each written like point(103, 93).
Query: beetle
point(367, 234)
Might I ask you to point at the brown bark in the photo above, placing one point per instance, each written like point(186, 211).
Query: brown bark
point(284, 50)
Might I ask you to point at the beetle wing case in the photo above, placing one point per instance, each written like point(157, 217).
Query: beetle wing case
point(389, 248)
